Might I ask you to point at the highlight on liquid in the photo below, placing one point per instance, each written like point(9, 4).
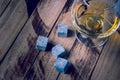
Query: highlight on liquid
point(92, 22)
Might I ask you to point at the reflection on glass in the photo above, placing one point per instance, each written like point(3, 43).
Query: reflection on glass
point(94, 20)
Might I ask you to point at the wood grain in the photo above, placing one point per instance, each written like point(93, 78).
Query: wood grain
point(46, 59)
point(67, 43)
point(42, 60)
point(22, 54)
point(83, 60)
point(3, 6)
point(14, 63)
point(49, 10)
point(8, 12)
point(10, 25)
point(24, 62)
point(108, 66)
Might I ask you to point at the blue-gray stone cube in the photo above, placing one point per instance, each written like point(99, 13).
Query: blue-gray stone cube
point(58, 51)
point(62, 30)
point(42, 43)
point(61, 65)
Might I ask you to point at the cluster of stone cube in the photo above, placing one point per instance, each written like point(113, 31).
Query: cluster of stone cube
point(61, 64)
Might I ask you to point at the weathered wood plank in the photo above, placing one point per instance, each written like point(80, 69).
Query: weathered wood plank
point(43, 61)
point(83, 60)
point(8, 12)
point(39, 72)
point(67, 43)
point(23, 53)
point(10, 24)
point(13, 62)
point(49, 10)
point(108, 66)
point(46, 66)
point(3, 6)
point(65, 77)
point(36, 72)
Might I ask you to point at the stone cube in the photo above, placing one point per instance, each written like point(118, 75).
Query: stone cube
point(58, 51)
point(62, 65)
point(62, 30)
point(42, 43)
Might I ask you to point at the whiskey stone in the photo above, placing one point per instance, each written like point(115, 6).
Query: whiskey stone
point(58, 51)
point(42, 43)
point(62, 65)
point(62, 30)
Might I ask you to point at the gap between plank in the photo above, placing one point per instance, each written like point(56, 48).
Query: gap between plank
point(13, 42)
point(69, 55)
point(5, 8)
point(96, 63)
point(16, 37)
point(47, 36)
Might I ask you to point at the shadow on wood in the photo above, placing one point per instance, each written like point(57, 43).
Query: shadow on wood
point(31, 5)
point(49, 46)
point(67, 5)
point(73, 72)
point(70, 33)
point(38, 25)
point(24, 60)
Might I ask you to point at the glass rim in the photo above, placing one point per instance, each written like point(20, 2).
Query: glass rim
point(103, 35)
point(107, 8)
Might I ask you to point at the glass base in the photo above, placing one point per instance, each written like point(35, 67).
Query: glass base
point(91, 42)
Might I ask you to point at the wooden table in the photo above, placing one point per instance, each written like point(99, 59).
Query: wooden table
point(19, 59)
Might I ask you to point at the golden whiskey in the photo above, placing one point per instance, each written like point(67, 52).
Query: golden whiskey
point(95, 21)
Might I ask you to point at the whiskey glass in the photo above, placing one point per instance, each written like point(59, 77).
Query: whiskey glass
point(94, 21)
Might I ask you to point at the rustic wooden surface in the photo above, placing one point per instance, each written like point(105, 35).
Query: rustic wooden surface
point(11, 23)
point(19, 59)
point(3, 5)
point(108, 66)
